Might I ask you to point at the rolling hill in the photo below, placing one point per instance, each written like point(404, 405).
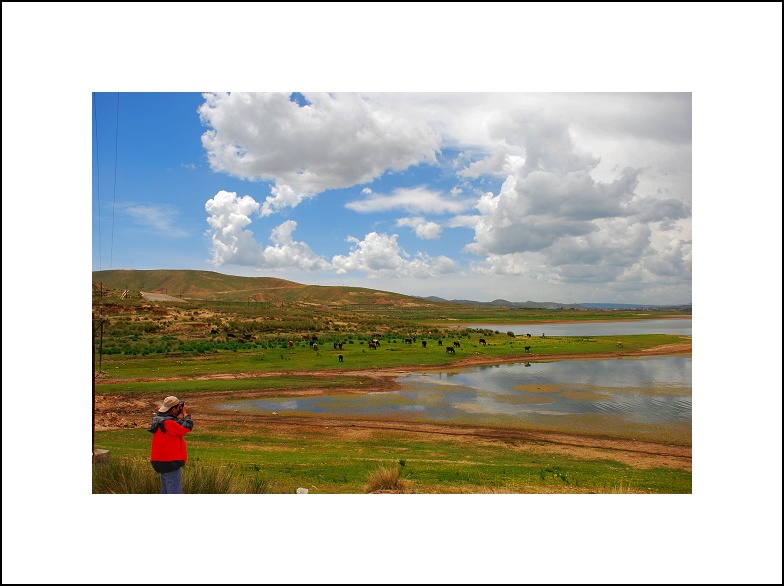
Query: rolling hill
point(212, 286)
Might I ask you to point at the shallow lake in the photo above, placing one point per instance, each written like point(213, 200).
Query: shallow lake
point(648, 398)
point(680, 326)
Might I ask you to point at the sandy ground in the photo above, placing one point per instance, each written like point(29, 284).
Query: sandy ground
point(118, 411)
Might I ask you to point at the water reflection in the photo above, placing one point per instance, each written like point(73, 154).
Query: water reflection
point(599, 393)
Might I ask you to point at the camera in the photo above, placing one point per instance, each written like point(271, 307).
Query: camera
point(181, 404)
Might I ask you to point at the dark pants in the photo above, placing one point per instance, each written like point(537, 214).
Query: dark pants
point(171, 482)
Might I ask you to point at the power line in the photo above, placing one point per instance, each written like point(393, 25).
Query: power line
point(97, 179)
point(116, 161)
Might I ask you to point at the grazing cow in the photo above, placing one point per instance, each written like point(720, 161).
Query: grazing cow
point(620, 344)
point(340, 358)
point(527, 348)
point(334, 345)
point(213, 331)
point(440, 343)
point(314, 345)
point(304, 336)
point(340, 345)
point(372, 345)
point(291, 343)
point(450, 350)
point(483, 342)
point(409, 341)
point(376, 342)
point(231, 335)
point(528, 335)
point(424, 343)
point(456, 343)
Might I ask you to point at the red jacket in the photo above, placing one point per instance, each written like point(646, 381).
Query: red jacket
point(168, 444)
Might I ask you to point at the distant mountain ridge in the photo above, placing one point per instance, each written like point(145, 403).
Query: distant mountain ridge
point(553, 305)
point(209, 285)
point(510, 304)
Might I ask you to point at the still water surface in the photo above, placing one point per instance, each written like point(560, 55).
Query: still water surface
point(591, 395)
point(617, 328)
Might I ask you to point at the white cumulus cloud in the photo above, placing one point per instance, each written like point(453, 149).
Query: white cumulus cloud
point(422, 228)
point(333, 141)
point(380, 255)
point(232, 243)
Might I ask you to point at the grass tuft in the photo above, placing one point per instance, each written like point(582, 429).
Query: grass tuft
point(385, 479)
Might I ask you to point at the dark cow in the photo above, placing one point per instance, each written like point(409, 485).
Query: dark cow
point(456, 343)
point(527, 348)
point(372, 345)
point(334, 345)
point(231, 335)
point(450, 350)
point(409, 341)
point(528, 335)
point(440, 343)
point(340, 358)
point(340, 345)
point(483, 342)
point(376, 342)
point(213, 331)
point(424, 343)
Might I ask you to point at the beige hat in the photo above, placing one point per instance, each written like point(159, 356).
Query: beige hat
point(168, 403)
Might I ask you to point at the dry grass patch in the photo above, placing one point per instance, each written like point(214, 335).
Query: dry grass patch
point(385, 480)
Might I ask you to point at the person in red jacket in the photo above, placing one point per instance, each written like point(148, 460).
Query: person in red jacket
point(168, 454)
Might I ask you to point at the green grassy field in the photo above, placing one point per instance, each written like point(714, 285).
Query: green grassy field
point(392, 353)
point(330, 463)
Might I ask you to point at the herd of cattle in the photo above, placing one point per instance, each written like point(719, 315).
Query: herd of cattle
point(372, 344)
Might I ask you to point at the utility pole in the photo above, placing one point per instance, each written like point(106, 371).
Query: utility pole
point(97, 324)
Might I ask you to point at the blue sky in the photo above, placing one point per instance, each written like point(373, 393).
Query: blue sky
point(567, 197)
